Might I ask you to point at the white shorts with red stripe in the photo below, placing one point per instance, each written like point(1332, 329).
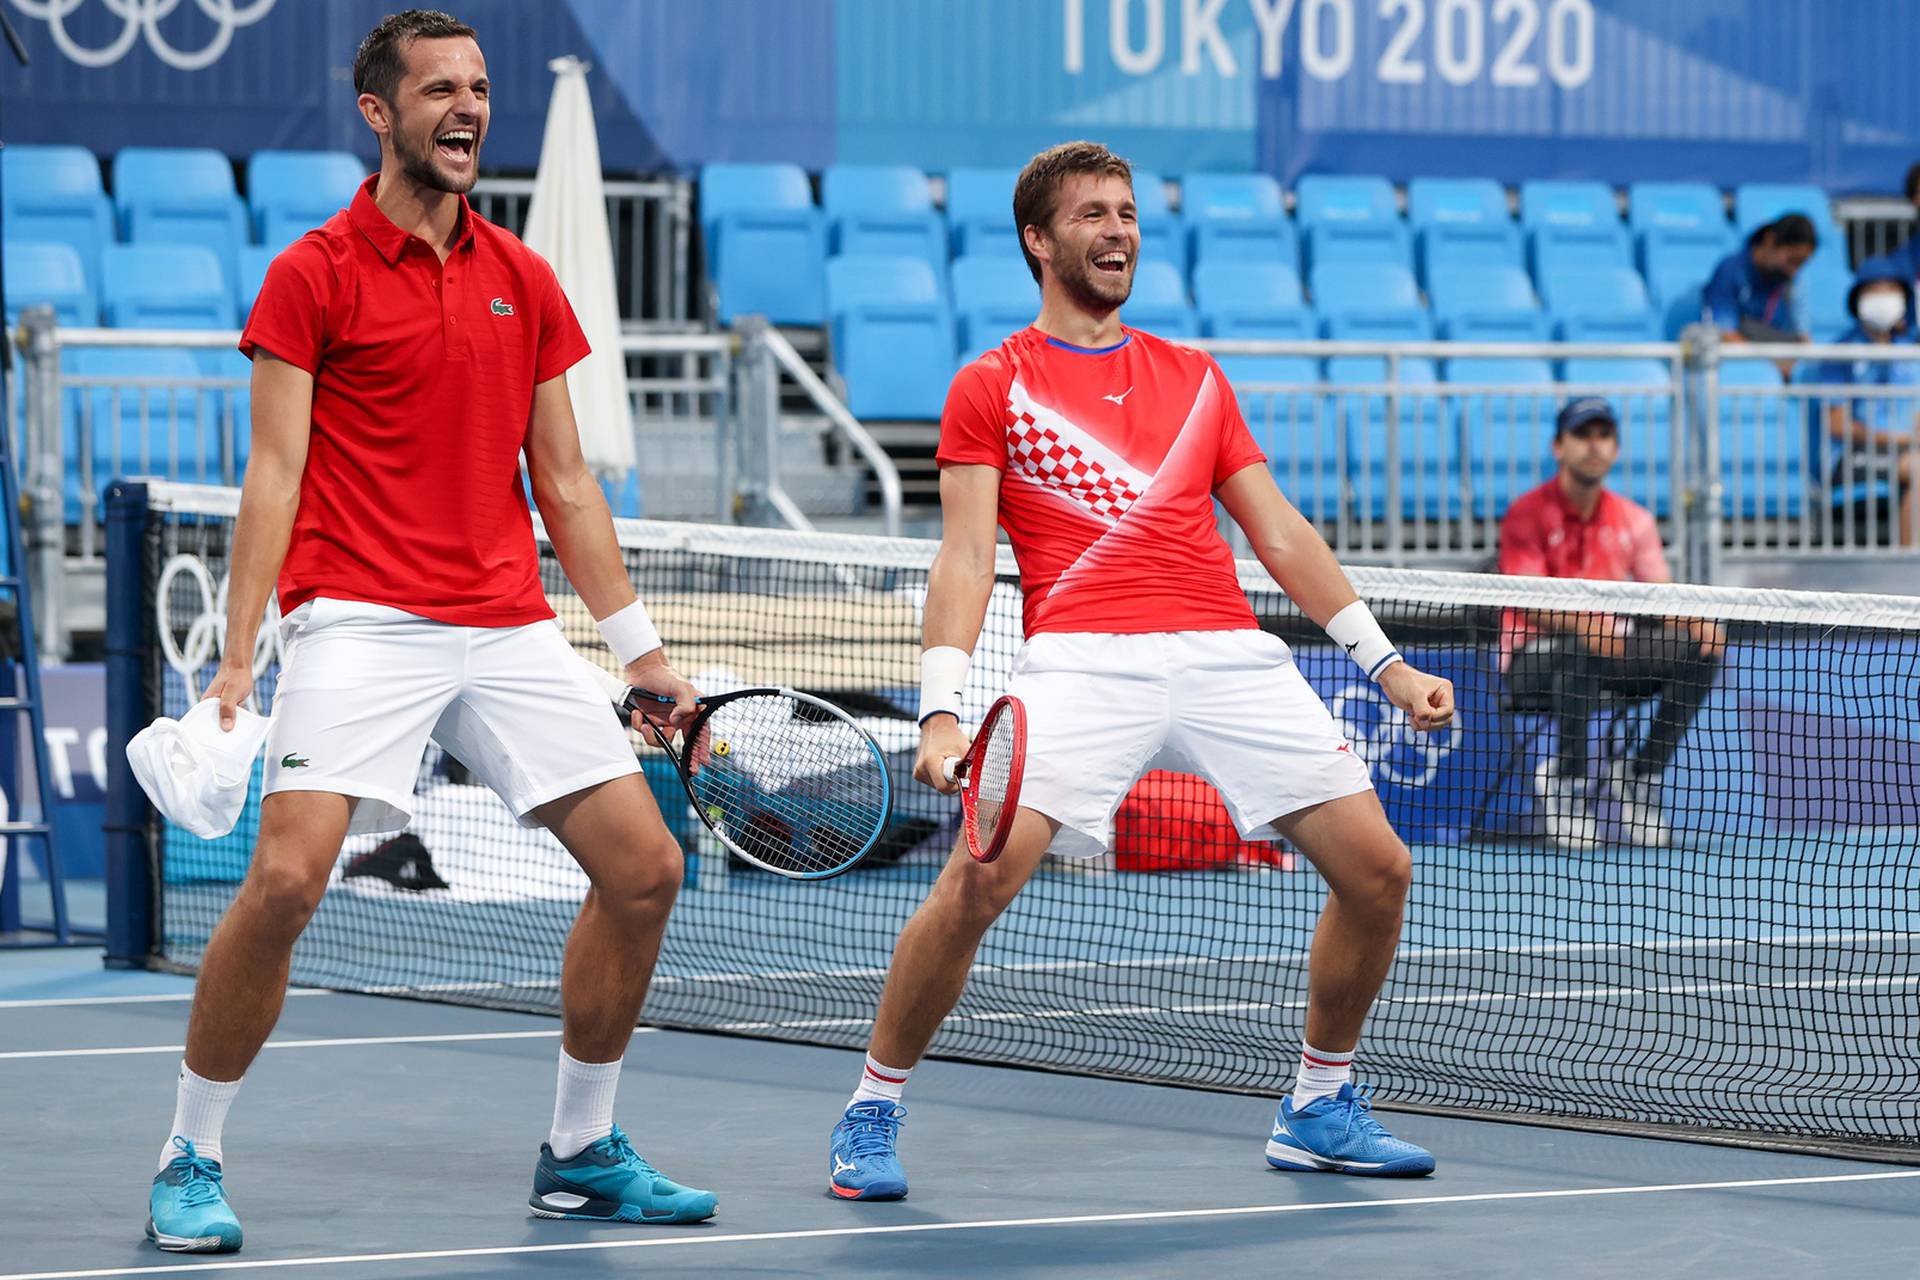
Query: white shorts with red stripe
point(1231, 706)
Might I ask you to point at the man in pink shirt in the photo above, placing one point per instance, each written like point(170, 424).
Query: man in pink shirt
point(1574, 527)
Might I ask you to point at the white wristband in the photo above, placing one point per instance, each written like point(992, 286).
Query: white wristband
point(629, 632)
point(943, 675)
point(1354, 629)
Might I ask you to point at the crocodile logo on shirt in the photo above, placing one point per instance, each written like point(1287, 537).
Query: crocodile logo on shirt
point(501, 307)
point(291, 761)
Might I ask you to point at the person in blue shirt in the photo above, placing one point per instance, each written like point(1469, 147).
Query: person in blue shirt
point(1752, 295)
point(1879, 435)
point(1906, 259)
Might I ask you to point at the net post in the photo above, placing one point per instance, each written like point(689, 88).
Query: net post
point(130, 915)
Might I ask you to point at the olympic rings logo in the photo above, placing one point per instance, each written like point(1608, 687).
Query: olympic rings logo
point(192, 612)
point(1386, 741)
point(146, 16)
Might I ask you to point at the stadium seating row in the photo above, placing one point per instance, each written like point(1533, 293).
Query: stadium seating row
point(768, 241)
point(175, 198)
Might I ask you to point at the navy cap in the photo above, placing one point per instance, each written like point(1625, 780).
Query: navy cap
point(1579, 413)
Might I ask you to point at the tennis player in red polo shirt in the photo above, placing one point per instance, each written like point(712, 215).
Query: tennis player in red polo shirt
point(1573, 526)
point(406, 355)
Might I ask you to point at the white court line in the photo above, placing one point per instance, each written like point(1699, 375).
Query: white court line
point(822, 1233)
point(460, 1038)
point(56, 1002)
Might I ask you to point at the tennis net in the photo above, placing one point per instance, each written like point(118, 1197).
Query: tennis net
point(1754, 976)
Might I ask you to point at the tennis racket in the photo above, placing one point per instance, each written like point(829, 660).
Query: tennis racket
point(990, 776)
point(783, 779)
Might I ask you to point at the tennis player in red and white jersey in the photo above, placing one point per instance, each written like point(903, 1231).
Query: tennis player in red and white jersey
point(1100, 450)
point(406, 355)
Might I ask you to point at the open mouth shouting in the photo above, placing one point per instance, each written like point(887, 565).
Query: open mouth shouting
point(457, 145)
point(1113, 262)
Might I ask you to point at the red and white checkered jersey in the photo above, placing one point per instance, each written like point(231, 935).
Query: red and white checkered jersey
point(1108, 460)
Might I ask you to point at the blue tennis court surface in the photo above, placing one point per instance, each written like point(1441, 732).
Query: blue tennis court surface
point(396, 1138)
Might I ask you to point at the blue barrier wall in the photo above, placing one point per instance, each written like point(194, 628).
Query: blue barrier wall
point(1726, 90)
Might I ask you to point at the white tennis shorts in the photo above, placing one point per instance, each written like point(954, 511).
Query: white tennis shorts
point(364, 686)
point(1231, 706)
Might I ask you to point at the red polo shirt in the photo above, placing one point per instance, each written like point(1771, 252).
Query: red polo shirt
point(1545, 536)
point(423, 379)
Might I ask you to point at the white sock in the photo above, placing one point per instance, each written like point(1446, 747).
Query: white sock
point(1321, 1074)
point(881, 1083)
point(582, 1105)
point(199, 1113)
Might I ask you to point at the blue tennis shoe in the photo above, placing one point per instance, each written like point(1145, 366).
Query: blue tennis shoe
point(187, 1210)
point(862, 1164)
point(1338, 1134)
point(608, 1182)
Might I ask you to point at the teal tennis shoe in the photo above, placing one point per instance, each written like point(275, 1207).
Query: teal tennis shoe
point(608, 1182)
point(1338, 1134)
point(861, 1161)
point(187, 1210)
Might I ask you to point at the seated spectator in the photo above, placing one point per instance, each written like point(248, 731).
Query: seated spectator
point(1752, 295)
point(1878, 436)
point(1574, 527)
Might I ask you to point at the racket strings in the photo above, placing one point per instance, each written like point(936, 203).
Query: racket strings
point(791, 786)
point(991, 779)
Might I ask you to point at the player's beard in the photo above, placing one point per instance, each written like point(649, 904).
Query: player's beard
point(422, 166)
point(1092, 289)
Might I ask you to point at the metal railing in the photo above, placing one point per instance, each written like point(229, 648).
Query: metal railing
point(690, 395)
point(651, 222)
point(1874, 225)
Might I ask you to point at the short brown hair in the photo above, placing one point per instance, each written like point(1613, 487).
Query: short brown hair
point(382, 58)
point(1036, 196)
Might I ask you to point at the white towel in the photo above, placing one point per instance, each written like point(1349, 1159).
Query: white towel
point(195, 773)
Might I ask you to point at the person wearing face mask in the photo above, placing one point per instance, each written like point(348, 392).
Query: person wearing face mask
point(1752, 295)
point(1872, 431)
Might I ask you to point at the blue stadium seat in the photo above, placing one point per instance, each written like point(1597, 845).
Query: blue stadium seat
point(1826, 290)
point(1506, 435)
point(1159, 302)
point(1755, 203)
point(1340, 287)
point(892, 334)
point(140, 421)
point(1245, 289)
point(1548, 202)
point(1237, 215)
point(1503, 326)
point(1682, 309)
point(164, 286)
point(49, 274)
point(883, 211)
point(1594, 291)
point(1322, 199)
point(254, 261)
point(766, 243)
point(292, 192)
point(181, 195)
point(1642, 394)
point(1555, 248)
point(1429, 459)
point(1359, 242)
point(1163, 233)
point(1456, 202)
point(1763, 464)
point(1624, 326)
point(54, 194)
point(1458, 290)
point(1297, 428)
point(227, 424)
point(980, 212)
point(1278, 324)
point(1677, 259)
point(1675, 206)
point(993, 296)
point(1470, 244)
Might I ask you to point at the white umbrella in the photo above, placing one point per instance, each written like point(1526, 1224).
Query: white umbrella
point(567, 224)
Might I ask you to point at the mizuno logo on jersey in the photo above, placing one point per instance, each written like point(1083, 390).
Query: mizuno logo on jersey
point(1120, 399)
